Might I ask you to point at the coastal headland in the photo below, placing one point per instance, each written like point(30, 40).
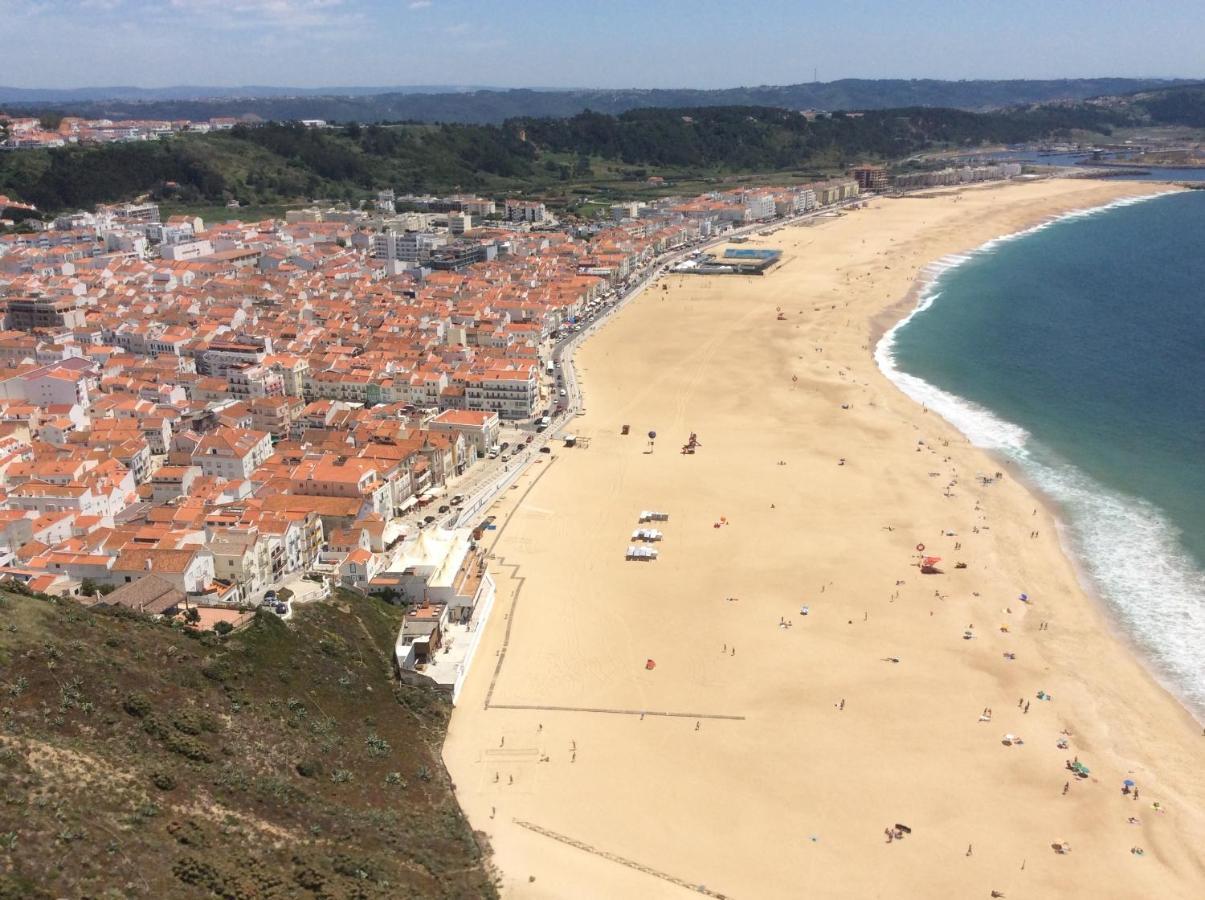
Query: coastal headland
point(757, 711)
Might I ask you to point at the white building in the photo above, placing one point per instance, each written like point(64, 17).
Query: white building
point(231, 453)
point(511, 393)
point(525, 211)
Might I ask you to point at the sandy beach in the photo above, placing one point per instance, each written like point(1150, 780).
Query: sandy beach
point(766, 752)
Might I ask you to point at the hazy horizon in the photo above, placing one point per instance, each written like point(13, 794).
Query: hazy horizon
point(465, 87)
point(624, 44)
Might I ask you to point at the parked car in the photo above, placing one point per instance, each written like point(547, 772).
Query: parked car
point(281, 609)
point(270, 597)
point(444, 509)
point(545, 449)
point(427, 520)
point(457, 500)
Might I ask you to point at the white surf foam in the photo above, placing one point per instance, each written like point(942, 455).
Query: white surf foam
point(1133, 557)
point(1128, 550)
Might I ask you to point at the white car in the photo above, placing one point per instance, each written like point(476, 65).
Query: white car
point(563, 394)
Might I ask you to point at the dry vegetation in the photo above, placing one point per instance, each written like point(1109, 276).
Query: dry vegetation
point(284, 761)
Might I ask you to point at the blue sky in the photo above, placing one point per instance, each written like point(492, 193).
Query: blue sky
point(591, 43)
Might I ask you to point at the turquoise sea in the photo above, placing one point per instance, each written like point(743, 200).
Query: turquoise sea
point(1077, 349)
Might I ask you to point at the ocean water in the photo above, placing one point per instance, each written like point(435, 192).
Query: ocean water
point(1077, 349)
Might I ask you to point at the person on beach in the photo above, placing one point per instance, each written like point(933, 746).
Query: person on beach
point(698, 725)
point(969, 849)
point(1026, 710)
point(842, 706)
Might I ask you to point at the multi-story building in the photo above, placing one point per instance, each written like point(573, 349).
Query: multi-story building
point(511, 393)
point(481, 428)
point(45, 312)
point(407, 246)
point(232, 454)
point(525, 211)
point(249, 382)
point(223, 355)
point(871, 178)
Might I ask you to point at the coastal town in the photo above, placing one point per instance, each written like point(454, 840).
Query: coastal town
point(32, 133)
point(489, 480)
point(203, 419)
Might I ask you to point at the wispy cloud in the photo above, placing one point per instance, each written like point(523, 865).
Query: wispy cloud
point(278, 13)
point(420, 4)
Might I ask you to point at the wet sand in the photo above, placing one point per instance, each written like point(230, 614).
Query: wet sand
point(745, 774)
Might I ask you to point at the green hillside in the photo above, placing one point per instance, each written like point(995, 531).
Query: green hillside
point(558, 158)
point(282, 761)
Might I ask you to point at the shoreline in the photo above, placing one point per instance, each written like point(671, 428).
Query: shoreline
point(687, 358)
point(918, 299)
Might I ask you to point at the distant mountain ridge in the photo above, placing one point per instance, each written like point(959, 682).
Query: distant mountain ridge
point(131, 94)
point(483, 106)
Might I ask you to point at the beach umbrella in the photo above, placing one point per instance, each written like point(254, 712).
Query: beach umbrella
point(930, 560)
point(1128, 782)
point(652, 435)
point(1025, 597)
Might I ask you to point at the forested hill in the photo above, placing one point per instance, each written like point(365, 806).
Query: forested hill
point(497, 105)
point(279, 163)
